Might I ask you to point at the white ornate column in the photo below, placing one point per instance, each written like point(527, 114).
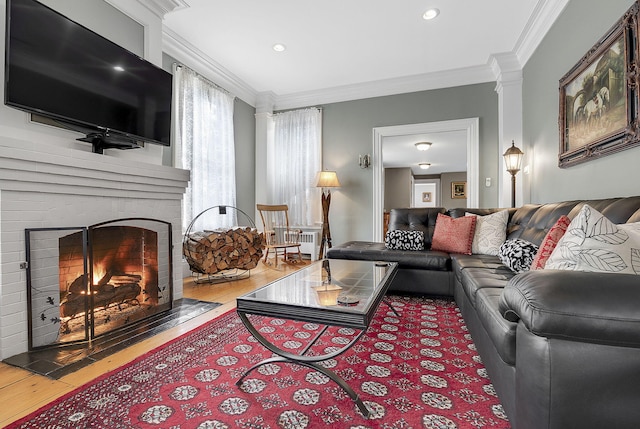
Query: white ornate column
point(508, 73)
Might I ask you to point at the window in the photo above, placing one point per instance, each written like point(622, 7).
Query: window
point(205, 141)
point(294, 158)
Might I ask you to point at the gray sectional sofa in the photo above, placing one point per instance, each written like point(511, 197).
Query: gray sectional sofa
point(562, 348)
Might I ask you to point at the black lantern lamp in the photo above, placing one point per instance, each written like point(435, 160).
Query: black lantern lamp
point(513, 161)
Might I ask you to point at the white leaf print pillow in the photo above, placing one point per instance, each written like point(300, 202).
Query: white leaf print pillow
point(490, 233)
point(593, 243)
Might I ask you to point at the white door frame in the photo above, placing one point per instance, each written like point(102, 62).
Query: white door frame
point(469, 125)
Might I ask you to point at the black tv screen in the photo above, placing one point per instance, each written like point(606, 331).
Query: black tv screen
point(59, 69)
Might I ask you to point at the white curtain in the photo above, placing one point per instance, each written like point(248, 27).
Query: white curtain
point(294, 158)
point(204, 136)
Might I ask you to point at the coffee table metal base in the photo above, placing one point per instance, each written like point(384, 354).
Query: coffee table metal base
point(305, 360)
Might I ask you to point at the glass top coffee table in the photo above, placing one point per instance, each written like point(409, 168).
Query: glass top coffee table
point(332, 292)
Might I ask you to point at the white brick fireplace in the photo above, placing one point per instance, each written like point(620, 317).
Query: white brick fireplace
point(45, 186)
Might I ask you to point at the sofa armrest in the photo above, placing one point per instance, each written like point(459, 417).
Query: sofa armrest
point(581, 306)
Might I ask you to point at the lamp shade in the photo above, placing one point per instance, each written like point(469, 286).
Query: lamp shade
point(327, 179)
point(513, 158)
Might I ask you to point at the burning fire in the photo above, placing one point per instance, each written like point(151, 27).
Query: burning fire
point(99, 271)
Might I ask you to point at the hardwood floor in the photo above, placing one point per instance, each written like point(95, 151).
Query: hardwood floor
point(23, 392)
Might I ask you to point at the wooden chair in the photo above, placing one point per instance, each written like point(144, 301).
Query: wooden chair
point(278, 237)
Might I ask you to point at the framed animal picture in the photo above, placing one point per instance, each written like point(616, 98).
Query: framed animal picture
point(598, 106)
point(458, 190)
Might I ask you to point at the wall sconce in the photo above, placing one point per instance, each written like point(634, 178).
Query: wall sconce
point(364, 161)
point(513, 160)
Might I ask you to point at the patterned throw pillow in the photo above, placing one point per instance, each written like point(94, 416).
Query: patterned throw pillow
point(399, 239)
point(453, 235)
point(594, 243)
point(491, 231)
point(550, 242)
point(517, 254)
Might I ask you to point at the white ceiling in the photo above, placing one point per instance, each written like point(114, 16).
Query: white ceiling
point(350, 49)
point(341, 43)
point(448, 152)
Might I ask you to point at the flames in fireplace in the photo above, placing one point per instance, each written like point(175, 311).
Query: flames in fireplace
point(123, 268)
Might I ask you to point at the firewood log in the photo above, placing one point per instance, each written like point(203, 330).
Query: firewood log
point(209, 252)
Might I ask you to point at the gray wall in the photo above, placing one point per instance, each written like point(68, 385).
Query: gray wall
point(445, 185)
point(244, 128)
point(105, 20)
point(347, 132)
point(579, 27)
point(397, 188)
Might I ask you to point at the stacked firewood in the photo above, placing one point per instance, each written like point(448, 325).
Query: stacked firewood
point(209, 252)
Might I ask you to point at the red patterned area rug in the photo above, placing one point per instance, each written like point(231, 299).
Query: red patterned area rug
point(419, 370)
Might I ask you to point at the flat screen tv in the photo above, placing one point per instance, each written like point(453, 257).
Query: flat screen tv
point(59, 69)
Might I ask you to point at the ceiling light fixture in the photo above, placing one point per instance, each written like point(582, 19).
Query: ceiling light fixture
point(423, 146)
point(118, 68)
point(424, 165)
point(431, 13)
point(279, 47)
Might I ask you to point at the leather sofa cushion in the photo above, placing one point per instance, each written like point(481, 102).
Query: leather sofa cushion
point(459, 212)
point(501, 331)
point(576, 305)
point(475, 279)
point(415, 219)
point(372, 251)
point(461, 262)
point(531, 222)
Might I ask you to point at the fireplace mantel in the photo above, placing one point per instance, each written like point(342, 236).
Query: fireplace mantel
point(48, 186)
point(33, 167)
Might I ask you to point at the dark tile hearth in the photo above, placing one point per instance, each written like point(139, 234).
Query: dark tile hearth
point(60, 361)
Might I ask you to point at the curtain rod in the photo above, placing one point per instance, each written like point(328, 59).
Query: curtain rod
point(319, 108)
point(180, 65)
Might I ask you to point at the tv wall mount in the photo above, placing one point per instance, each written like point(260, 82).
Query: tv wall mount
point(106, 140)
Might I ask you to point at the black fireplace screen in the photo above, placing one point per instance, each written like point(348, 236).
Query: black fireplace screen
point(88, 281)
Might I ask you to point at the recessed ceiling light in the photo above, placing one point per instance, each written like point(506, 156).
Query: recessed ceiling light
point(431, 13)
point(118, 68)
point(279, 47)
point(424, 165)
point(423, 145)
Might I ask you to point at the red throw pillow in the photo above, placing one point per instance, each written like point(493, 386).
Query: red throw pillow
point(454, 235)
point(549, 242)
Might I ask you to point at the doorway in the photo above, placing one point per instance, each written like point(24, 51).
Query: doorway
point(470, 126)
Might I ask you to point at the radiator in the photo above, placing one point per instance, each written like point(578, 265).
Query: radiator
point(310, 244)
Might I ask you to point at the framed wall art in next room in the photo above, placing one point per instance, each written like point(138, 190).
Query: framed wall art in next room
point(458, 190)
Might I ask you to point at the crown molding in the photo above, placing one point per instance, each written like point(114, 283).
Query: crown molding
point(415, 83)
point(265, 102)
point(181, 50)
point(543, 17)
point(162, 7)
point(506, 68)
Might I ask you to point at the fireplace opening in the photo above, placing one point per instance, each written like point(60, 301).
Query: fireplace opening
point(107, 277)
